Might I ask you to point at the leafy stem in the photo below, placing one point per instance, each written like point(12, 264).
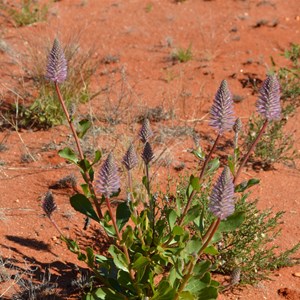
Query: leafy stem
point(71, 125)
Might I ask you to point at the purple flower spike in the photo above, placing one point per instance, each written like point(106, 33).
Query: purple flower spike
point(130, 159)
point(147, 154)
point(108, 181)
point(222, 109)
point(221, 199)
point(268, 104)
point(146, 131)
point(57, 64)
point(49, 205)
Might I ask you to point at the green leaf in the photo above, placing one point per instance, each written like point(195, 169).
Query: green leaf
point(123, 214)
point(69, 155)
point(211, 250)
point(246, 185)
point(97, 157)
point(82, 204)
point(127, 236)
point(201, 268)
point(193, 246)
point(104, 294)
point(140, 265)
point(185, 295)
point(177, 230)
point(208, 293)
point(90, 256)
point(86, 190)
point(118, 258)
point(232, 222)
point(231, 164)
point(83, 127)
point(192, 214)
point(164, 291)
point(195, 183)
point(171, 217)
point(213, 165)
point(199, 154)
point(195, 285)
point(84, 164)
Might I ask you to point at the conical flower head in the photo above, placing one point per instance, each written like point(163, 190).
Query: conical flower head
point(108, 181)
point(57, 64)
point(146, 131)
point(268, 104)
point(147, 154)
point(49, 205)
point(221, 199)
point(130, 159)
point(238, 125)
point(221, 111)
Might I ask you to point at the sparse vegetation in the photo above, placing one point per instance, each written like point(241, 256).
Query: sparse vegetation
point(182, 55)
point(28, 13)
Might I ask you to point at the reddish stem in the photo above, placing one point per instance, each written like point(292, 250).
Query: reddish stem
point(263, 128)
point(91, 188)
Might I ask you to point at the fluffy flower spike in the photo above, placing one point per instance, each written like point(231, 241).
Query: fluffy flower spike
point(130, 159)
point(49, 205)
point(222, 109)
point(147, 154)
point(57, 64)
point(108, 181)
point(146, 131)
point(222, 196)
point(268, 104)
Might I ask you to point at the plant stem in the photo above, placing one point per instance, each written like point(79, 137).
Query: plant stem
point(119, 238)
point(190, 267)
point(130, 188)
point(89, 182)
point(62, 102)
point(263, 128)
point(207, 159)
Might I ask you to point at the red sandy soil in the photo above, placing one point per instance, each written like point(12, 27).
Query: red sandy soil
point(229, 39)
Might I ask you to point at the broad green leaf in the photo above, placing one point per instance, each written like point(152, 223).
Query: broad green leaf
point(118, 258)
point(83, 127)
point(122, 215)
point(208, 293)
point(82, 204)
point(211, 250)
point(195, 285)
point(246, 185)
point(104, 293)
point(127, 236)
point(213, 165)
point(140, 265)
point(232, 222)
point(84, 164)
point(192, 214)
point(140, 262)
point(164, 291)
point(69, 155)
point(195, 183)
point(201, 268)
point(193, 246)
point(171, 217)
point(177, 230)
point(185, 295)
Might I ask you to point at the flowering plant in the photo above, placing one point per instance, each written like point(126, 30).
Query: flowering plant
point(162, 251)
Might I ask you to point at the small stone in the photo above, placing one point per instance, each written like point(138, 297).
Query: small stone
point(297, 274)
